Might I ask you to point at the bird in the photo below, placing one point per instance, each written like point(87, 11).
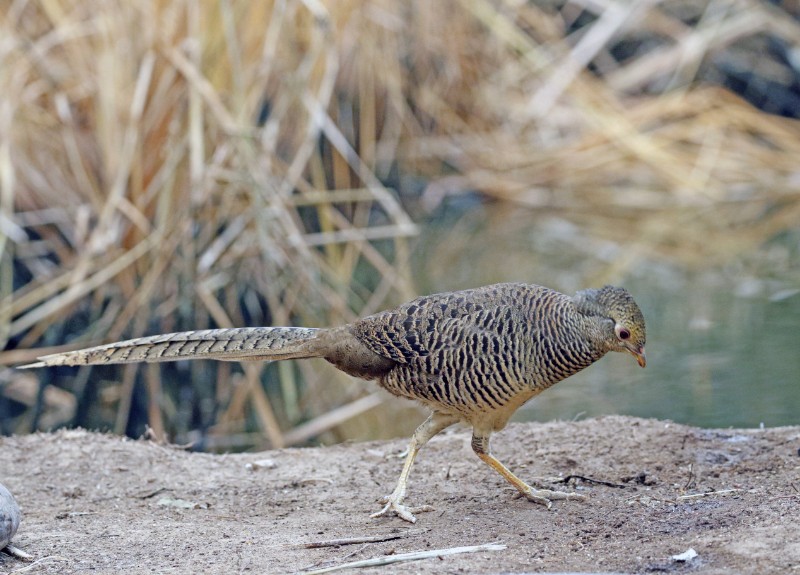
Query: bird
point(472, 356)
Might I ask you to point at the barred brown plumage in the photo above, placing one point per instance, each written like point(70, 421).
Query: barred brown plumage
point(473, 356)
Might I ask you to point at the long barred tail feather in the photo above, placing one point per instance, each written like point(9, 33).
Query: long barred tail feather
point(248, 343)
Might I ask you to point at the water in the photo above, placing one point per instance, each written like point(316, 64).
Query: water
point(723, 341)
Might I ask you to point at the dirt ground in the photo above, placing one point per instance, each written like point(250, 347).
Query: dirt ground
point(102, 504)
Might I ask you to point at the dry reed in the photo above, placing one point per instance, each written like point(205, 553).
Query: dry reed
point(186, 164)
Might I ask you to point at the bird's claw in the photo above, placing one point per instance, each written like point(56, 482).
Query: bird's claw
point(402, 511)
point(546, 497)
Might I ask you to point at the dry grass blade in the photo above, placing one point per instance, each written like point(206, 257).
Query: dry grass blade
point(228, 164)
point(362, 539)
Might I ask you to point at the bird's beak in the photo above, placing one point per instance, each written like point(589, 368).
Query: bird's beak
point(638, 353)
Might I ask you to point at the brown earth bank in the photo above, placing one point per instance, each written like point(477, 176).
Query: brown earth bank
point(95, 503)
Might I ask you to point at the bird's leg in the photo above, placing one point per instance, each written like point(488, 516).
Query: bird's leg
point(435, 423)
point(480, 445)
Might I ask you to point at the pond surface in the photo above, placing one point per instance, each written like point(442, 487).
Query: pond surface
point(723, 346)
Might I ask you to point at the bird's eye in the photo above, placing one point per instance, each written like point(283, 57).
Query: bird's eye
point(622, 332)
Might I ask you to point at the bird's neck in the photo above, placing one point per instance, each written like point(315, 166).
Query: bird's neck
point(567, 344)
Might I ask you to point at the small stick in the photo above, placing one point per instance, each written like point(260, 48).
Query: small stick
point(363, 539)
point(68, 514)
point(331, 561)
point(414, 556)
point(795, 495)
point(315, 480)
point(153, 493)
point(690, 480)
point(567, 479)
point(708, 494)
point(37, 563)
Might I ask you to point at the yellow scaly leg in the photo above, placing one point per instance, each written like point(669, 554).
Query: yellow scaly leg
point(480, 445)
point(435, 423)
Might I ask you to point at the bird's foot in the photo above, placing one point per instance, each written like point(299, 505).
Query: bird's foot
point(546, 496)
point(394, 504)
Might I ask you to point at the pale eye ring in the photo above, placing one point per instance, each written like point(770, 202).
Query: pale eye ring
point(622, 333)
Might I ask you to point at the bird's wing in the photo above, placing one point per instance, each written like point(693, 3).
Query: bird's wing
point(439, 330)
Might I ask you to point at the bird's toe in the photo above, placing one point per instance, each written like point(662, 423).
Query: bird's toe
point(402, 511)
point(546, 496)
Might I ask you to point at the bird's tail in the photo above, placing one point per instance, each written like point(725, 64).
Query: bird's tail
point(247, 343)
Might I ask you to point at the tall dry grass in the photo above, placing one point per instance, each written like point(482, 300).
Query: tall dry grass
point(175, 165)
point(169, 165)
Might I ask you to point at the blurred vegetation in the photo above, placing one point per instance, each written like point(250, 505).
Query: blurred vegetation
point(184, 165)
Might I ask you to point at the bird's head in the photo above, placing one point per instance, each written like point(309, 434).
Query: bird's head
point(621, 321)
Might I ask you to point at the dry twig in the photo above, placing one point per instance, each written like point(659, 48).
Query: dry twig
point(363, 539)
point(414, 556)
